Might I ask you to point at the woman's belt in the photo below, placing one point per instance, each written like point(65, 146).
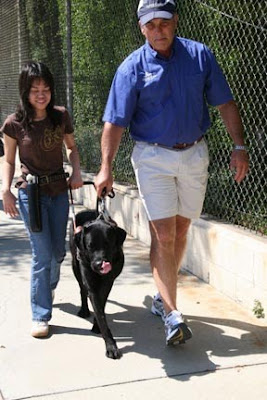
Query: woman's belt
point(46, 179)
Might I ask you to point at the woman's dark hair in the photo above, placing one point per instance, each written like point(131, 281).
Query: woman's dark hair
point(25, 112)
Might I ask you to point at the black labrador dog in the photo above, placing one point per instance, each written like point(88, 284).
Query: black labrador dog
point(97, 260)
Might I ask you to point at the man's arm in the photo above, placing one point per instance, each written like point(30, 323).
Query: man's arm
point(232, 120)
point(110, 141)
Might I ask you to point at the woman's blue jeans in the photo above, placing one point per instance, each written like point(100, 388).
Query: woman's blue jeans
point(48, 249)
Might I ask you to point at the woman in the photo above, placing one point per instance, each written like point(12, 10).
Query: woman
point(39, 129)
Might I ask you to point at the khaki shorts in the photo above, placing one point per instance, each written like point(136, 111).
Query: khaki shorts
point(171, 182)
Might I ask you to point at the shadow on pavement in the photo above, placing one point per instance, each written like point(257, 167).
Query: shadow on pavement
point(145, 332)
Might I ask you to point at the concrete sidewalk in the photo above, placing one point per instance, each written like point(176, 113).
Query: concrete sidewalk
point(225, 359)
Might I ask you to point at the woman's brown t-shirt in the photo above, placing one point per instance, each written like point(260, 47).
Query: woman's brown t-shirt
point(40, 149)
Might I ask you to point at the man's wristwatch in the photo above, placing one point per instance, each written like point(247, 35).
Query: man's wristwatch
point(240, 147)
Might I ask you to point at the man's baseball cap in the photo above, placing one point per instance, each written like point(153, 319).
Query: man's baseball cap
point(150, 9)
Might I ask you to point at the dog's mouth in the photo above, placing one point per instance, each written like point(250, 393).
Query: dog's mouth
point(105, 268)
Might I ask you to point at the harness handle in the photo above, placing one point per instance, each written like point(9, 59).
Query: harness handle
point(100, 204)
point(104, 191)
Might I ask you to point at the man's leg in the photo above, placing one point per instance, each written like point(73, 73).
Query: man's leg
point(168, 243)
point(167, 249)
point(182, 226)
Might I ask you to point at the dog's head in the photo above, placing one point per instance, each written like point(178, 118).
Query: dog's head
point(99, 243)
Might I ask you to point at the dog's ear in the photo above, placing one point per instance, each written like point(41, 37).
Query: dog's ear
point(78, 238)
point(80, 234)
point(121, 235)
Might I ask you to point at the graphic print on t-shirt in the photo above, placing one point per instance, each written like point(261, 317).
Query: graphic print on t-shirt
point(51, 138)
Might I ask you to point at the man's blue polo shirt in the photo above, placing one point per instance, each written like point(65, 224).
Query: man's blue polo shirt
point(165, 100)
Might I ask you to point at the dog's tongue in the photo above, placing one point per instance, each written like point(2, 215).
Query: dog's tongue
point(106, 267)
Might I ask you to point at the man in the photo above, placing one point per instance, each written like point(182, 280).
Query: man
point(161, 92)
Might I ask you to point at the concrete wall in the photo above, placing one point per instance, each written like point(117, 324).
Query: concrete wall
point(230, 259)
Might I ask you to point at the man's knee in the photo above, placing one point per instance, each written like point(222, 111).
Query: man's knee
point(163, 232)
point(182, 226)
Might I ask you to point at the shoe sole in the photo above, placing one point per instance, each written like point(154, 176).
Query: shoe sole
point(40, 334)
point(183, 333)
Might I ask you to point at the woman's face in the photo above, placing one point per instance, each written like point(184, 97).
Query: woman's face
point(39, 97)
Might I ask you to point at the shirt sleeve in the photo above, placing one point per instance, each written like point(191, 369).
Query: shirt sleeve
point(122, 98)
point(217, 89)
point(9, 128)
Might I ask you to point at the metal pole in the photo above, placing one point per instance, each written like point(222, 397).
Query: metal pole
point(69, 60)
point(19, 34)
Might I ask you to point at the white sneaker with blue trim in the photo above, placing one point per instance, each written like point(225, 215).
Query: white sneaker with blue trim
point(177, 332)
point(157, 307)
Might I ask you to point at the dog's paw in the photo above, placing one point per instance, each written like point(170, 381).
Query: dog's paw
point(113, 352)
point(84, 313)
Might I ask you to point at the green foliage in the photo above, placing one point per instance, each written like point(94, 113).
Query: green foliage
point(45, 40)
point(100, 33)
point(88, 142)
point(258, 310)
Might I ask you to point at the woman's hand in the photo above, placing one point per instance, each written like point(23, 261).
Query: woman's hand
point(9, 203)
point(75, 181)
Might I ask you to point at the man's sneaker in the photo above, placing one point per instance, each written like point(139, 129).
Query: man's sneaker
point(176, 329)
point(39, 329)
point(157, 307)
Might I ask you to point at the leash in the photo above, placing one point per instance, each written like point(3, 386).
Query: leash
point(100, 205)
point(72, 210)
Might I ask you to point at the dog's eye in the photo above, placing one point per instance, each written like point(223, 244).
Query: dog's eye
point(92, 245)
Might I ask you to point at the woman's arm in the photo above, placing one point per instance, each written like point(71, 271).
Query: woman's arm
point(75, 181)
point(9, 200)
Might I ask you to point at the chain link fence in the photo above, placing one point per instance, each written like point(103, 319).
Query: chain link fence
point(101, 34)
point(13, 48)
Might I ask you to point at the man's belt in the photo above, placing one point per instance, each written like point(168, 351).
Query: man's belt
point(177, 146)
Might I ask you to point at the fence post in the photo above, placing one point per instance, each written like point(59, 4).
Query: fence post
point(19, 35)
point(69, 59)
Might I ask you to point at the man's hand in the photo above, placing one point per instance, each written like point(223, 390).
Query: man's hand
point(239, 163)
point(103, 180)
point(110, 141)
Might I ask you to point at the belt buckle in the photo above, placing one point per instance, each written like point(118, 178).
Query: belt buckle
point(179, 146)
point(45, 178)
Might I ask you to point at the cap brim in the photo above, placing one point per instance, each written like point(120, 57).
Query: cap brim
point(155, 14)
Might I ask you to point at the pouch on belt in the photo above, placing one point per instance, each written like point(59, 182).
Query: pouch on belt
point(34, 203)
